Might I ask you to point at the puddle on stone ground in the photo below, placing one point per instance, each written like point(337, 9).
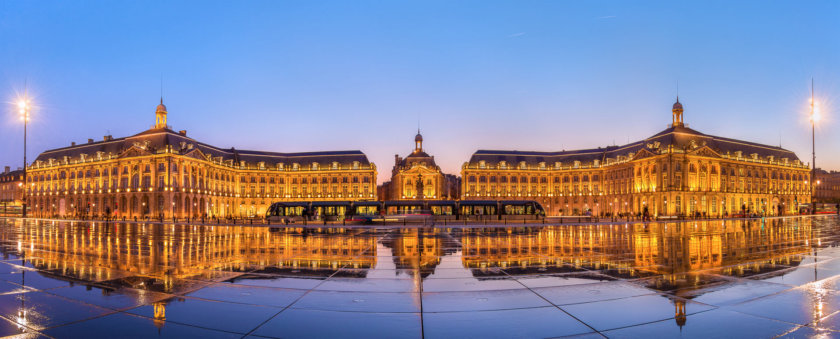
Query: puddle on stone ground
point(697, 279)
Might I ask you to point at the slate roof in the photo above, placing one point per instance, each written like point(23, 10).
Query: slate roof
point(16, 175)
point(678, 136)
point(158, 139)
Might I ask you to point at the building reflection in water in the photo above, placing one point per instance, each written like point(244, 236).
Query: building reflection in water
point(170, 258)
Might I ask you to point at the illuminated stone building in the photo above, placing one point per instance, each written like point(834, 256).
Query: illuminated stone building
point(678, 171)
point(828, 186)
point(160, 172)
point(418, 177)
point(11, 191)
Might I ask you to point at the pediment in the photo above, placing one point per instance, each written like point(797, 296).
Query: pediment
point(134, 151)
point(419, 170)
point(643, 153)
point(196, 154)
point(705, 151)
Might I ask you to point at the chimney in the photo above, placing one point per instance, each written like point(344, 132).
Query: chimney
point(183, 132)
point(73, 143)
point(6, 170)
point(108, 138)
point(90, 141)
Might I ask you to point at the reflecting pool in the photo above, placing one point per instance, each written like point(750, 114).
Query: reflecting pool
point(755, 278)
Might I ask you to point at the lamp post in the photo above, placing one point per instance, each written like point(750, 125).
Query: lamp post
point(814, 118)
point(23, 107)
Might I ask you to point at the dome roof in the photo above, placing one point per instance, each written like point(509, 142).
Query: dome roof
point(677, 105)
point(418, 137)
point(161, 108)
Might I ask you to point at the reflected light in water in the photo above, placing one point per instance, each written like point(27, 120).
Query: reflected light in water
point(147, 258)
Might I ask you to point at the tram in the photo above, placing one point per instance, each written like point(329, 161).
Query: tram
point(404, 210)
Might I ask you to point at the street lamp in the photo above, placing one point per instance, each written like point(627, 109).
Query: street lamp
point(23, 108)
point(815, 116)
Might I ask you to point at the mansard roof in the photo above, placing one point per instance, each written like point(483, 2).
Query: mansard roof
point(157, 139)
point(16, 175)
point(682, 138)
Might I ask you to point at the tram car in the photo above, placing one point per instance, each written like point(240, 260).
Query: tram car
point(404, 211)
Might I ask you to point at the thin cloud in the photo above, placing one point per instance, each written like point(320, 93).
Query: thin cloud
point(515, 35)
point(607, 17)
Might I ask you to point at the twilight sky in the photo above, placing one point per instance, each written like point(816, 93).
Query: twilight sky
point(294, 76)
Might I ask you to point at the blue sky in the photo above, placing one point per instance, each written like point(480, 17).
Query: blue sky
point(292, 76)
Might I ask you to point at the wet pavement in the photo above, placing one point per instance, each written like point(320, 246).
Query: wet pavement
point(735, 278)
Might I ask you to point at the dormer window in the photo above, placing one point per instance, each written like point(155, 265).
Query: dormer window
point(542, 165)
point(482, 164)
point(314, 166)
point(503, 164)
point(577, 164)
point(522, 165)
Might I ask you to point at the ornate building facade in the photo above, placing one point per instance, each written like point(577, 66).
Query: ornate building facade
point(418, 177)
point(11, 192)
point(678, 171)
point(160, 172)
point(828, 186)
